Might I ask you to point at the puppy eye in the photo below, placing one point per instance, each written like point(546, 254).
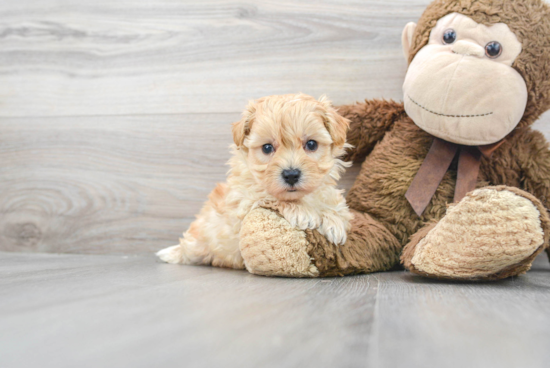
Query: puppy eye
point(449, 36)
point(268, 149)
point(493, 49)
point(311, 146)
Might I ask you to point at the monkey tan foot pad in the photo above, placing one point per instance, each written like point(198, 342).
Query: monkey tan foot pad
point(270, 246)
point(492, 234)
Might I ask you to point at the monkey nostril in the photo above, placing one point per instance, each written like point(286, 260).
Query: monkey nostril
point(291, 176)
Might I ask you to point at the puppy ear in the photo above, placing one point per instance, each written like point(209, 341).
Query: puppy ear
point(242, 127)
point(336, 124)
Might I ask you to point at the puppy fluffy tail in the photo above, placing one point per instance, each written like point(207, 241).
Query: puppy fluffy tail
point(189, 251)
point(172, 254)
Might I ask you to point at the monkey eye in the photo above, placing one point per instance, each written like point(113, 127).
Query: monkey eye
point(493, 49)
point(311, 146)
point(268, 149)
point(449, 36)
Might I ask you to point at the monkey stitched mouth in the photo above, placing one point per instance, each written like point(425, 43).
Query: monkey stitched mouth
point(449, 116)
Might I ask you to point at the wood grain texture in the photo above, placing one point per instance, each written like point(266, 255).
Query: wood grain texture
point(131, 57)
point(130, 311)
point(105, 311)
point(479, 325)
point(114, 184)
point(114, 115)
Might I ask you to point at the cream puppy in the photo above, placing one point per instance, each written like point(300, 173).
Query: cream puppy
point(285, 156)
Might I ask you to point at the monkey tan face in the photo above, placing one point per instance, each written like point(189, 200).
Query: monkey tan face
point(461, 86)
point(292, 144)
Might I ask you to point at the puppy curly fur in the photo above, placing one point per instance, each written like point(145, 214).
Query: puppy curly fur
point(286, 123)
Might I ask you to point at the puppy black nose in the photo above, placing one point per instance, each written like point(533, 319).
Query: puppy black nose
point(291, 176)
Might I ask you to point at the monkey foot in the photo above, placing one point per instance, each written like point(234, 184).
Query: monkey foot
point(493, 233)
point(270, 246)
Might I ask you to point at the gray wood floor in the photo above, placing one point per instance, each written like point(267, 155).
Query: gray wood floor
point(132, 311)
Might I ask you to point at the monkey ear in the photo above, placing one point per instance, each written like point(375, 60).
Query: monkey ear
point(242, 127)
point(406, 38)
point(336, 124)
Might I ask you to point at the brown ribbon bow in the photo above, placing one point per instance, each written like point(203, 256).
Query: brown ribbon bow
point(436, 164)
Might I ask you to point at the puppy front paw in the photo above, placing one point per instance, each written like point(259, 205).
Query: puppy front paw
point(303, 220)
point(334, 229)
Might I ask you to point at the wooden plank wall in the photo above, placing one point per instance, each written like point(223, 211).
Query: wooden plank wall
point(114, 115)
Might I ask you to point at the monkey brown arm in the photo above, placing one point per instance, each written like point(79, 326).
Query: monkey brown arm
point(533, 157)
point(370, 120)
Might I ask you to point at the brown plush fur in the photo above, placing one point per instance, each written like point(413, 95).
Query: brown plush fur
point(387, 173)
point(523, 161)
point(395, 147)
point(370, 248)
point(369, 122)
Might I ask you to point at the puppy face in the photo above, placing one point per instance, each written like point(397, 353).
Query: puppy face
point(291, 142)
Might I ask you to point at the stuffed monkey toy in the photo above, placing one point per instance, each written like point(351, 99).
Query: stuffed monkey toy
point(454, 183)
